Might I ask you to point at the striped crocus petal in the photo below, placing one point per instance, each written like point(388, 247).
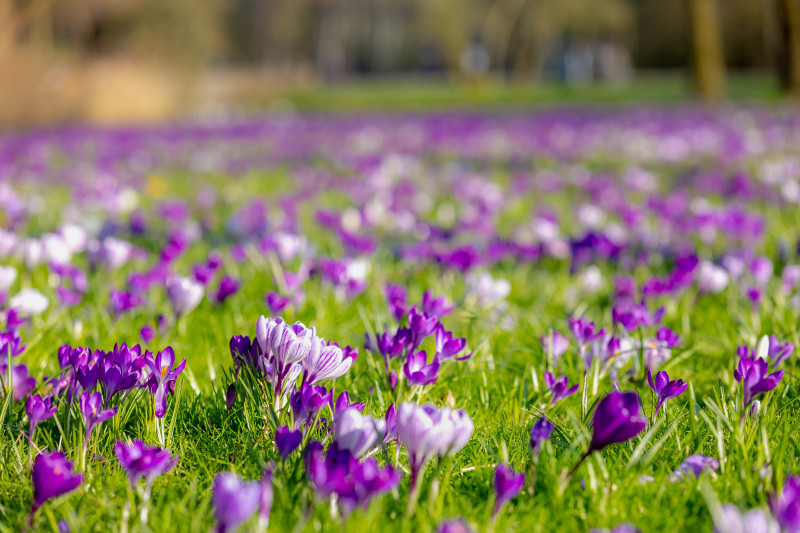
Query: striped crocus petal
point(329, 363)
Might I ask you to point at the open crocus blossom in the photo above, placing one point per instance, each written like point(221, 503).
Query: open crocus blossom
point(558, 387)
point(751, 372)
point(93, 412)
point(142, 461)
point(418, 371)
point(324, 362)
point(38, 410)
point(284, 346)
point(664, 388)
point(507, 484)
point(52, 476)
point(163, 377)
point(427, 431)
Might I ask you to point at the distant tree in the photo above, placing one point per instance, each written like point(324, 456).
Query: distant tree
point(789, 64)
point(708, 62)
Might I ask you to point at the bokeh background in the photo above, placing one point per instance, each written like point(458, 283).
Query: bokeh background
point(67, 61)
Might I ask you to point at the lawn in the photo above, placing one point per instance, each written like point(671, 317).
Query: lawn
point(674, 229)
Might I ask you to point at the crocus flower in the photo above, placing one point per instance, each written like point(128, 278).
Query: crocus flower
point(417, 370)
point(730, 519)
point(448, 347)
point(389, 346)
point(38, 410)
point(228, 286)
point(8, 274)
point(664, 388)
point(558, 387)
point(235, 500)
point(122, 301)
point(324, 362)
point(276, 302)
point(778, 351)
point(785, 505)
point(659, 350)
point(751, 372)
point(147, 333)
point(396, 297)
point(184, 294)
point(507, 484)
point(695, 465)
point(435, 306)
point(454, 526)
point(370, 480)
point(355, 432)
point(29, 302)
point(420, 326)
point(427, 431)
point(284, 346)
point(616, 419)
point(163, 377)
point(19, 381)
point(712, 278)
point(556, 344)
point(93, 412)
point(52, 476)
point(142, 461)
point(541, 431)
point(306, 403)
point(287, 441)
point(585, 333)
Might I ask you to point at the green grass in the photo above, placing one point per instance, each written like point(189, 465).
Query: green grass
point(411, 94)
point(501, 388)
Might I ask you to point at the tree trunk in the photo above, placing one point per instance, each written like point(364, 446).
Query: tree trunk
point(708, 61)
point(791, 34)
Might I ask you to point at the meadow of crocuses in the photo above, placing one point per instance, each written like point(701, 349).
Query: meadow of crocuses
point(563, 320)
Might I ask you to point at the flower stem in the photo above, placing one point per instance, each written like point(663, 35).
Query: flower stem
point(578, 464)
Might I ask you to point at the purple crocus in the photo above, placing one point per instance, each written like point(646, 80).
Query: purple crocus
point(52, 476)
point(324, 362)
point(454, 526)
point(664, 388)
point(396, 298)
point(585, 332)
point(228, 286)
point(163, 377)
point(287, 441)
point(93, 413)
point(184, 294)
point(306, 403)
point(142, 461)
point(21, 382)
point(752, 374)
point(507, 484)
point(284, 346)
point(435, 306)
point(235, 500)
point(541, 431)
point(427, 431)
point(617, 418)
point(555, 344)
point(420, 326)
point(785, 505)
point(559, 387)
point(355, 432)
point(778, 351)
point(417, 370)
point(731, 520)
point(448, 347)
point(38, 410)
point(695, 465)
point(386, 344)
